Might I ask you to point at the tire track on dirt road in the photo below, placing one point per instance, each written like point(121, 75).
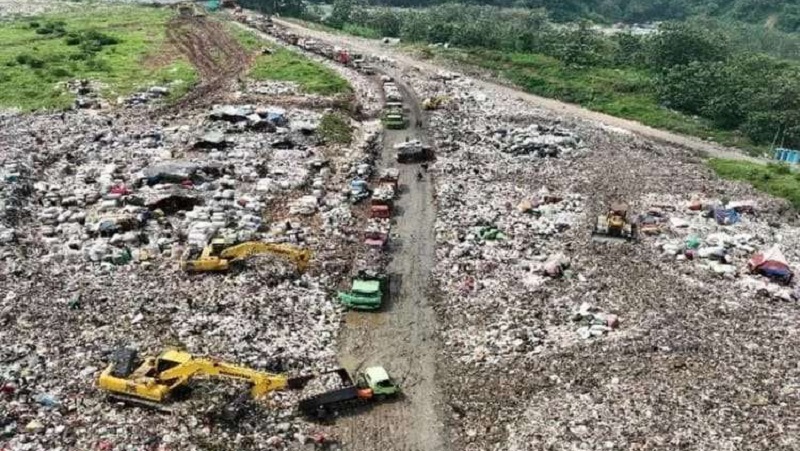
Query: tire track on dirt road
point(209, 47)
point(402, 335)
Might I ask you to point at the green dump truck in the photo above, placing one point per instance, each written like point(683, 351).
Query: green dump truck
point(395, 119)
point(366, 293)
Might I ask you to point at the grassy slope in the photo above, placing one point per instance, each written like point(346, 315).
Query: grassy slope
point(774, 179)
point(625, 93)
point(120, 67)
point(286, 65)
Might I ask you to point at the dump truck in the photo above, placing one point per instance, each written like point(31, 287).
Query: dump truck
point(218, 256)
point(394, 119)
point(615, 225)
point(413, 152)
point(375, 239)
point(380, 210)
point(389, 176)
point(366, 293)
point(154, 381)
point(371, 385)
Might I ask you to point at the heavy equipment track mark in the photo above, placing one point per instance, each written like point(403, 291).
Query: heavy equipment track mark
point(217, 55)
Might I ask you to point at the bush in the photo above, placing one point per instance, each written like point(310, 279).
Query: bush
point(779, 168)
point(60, 72)
point(335, 128)
point(30, 61)
point(56, 28)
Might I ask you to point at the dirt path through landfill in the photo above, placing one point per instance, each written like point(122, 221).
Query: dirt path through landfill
point(217, 55)
point(402, 336)
point(375, 47)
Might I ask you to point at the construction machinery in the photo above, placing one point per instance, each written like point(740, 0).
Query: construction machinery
point(380, 209)
point(433, 103)
point(156, 380)
point(413, 152)
point(615, 225)
point(371, 385)
point(376, 240)
point(366, 292)
point(218, 256)
point(394, 119)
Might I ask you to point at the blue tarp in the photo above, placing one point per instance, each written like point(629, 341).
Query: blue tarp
point(726, 216)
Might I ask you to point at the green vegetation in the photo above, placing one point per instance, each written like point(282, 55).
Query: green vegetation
point(780, 14)
point(335, 128)
point(116, 46)
point(775, 179)
point(358, 30)
point(622, 92)
point(696, 77)
point(280, 64)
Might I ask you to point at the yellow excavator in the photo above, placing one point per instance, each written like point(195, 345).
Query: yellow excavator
point(155, 380)
point(218, 255)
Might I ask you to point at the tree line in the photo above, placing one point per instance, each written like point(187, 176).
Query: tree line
point(697, 67)
point(779, 13)
point(703, 67)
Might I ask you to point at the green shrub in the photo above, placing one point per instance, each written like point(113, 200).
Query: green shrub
point(56, 28)
point(335, 128)
point(30, 61)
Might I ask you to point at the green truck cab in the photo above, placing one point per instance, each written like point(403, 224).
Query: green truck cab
point(394, 118)
point(377, 379)
point(366, 293)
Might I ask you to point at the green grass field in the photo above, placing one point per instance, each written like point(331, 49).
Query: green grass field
point(118, 46)
point(286, 65)
point(775, 179)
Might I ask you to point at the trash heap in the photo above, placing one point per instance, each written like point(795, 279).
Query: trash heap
point(594, 323)
point(534, 140)
point(97, 210)
point(498, 234)
point(352, 65)
point(731, 241)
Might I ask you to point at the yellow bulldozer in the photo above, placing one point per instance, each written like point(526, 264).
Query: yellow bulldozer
point(615, 225)
point(218, 256)
point(154, 381)
point(434, 103)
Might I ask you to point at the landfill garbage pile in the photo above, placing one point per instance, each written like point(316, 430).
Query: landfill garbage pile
point(494, 242)
point(703, 235)
point(99, 207)
point(604, 346)
point(536, 140)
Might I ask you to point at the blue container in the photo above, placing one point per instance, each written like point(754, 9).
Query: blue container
point(787, 155)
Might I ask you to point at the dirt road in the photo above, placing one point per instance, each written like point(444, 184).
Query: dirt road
point(216, 54)
point(375, 47)
point(402, 336)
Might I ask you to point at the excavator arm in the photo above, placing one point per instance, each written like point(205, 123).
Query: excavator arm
point(299, 256)
point(262, 383)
